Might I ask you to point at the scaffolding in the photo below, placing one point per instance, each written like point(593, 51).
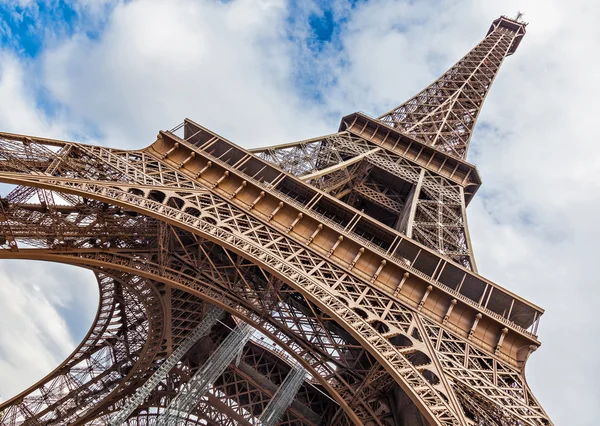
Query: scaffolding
point(143, 391)
point(284, 396)
point(188, 397)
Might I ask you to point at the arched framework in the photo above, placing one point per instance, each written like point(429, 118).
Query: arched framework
point(290, 322)
point(119, 349)
point(333, 313)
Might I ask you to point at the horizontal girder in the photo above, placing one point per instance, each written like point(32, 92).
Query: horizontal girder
point(214, 207)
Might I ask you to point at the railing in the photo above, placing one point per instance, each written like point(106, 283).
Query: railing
point(405, 263)
point(401, 261)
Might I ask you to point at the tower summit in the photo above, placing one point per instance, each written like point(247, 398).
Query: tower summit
point(227, 275)
point(443, 114)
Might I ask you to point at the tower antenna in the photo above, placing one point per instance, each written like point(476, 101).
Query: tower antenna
point(519, 16)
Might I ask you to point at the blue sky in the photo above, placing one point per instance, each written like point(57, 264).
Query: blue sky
point(28, 26)
point(27, 30)
point(264, 72)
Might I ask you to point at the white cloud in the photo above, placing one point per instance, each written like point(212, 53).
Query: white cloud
point(225, 64)
point(18, 3)
point(233, 66)
point(18, 108)
point(35, 336)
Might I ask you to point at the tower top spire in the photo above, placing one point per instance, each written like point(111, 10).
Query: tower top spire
point(443, 115)
point(519, 16)
point(515, 25)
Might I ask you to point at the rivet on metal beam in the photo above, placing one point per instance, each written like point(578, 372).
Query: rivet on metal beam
point(238, 189)
point(378, 271)
point(425, 296)
point(173, 148)
point(335, 245)
point(257, 199)
point(449, 311)
point(404, 278)
point(358, 255)
point(474, 327)
point(205, 168)
point(289, 228)
point(500, 341)
point(314, 234)
point(222, 178)
point(274, 212)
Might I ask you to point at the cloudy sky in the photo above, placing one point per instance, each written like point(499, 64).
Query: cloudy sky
point(262, 72)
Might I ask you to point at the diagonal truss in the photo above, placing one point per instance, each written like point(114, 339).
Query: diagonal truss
point(443, 115)
point(349, 253)
point(183, 404)
point(283, 397)
point(359, 308)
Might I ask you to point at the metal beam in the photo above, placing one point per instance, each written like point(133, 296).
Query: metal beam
point(189, 396)
point(142, 392)
point(338, 166)
point(283, 397)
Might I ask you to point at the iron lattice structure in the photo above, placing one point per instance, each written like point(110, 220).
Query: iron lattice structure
point(349, 254)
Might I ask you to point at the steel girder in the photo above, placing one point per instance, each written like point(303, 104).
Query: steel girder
point(435, 209)
point(294, 272)
point(158, 190)
point(443, 115)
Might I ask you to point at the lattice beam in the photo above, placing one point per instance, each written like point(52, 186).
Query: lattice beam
point(443, 115)
point(143, 391)
point(185, 401)
point(283, 397)
point(351, 251)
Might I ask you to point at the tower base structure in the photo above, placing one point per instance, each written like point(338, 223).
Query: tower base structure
point(348, 255)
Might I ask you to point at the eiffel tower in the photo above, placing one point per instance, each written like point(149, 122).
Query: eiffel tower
point(325, 282)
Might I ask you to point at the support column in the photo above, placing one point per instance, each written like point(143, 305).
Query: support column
point(406, 220)
point(283, 397)
point(404, 410)
point(142, 392)
point(341, 165)
point(463, 210)
point(189, 396)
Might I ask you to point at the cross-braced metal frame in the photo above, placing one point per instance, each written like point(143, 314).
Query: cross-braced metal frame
point(349, 254)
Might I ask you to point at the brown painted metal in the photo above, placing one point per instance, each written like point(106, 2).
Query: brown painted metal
point(350, 253)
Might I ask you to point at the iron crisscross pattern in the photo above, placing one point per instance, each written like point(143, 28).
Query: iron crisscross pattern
point(443, 115)
point(306, 273)
point(359, 264)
